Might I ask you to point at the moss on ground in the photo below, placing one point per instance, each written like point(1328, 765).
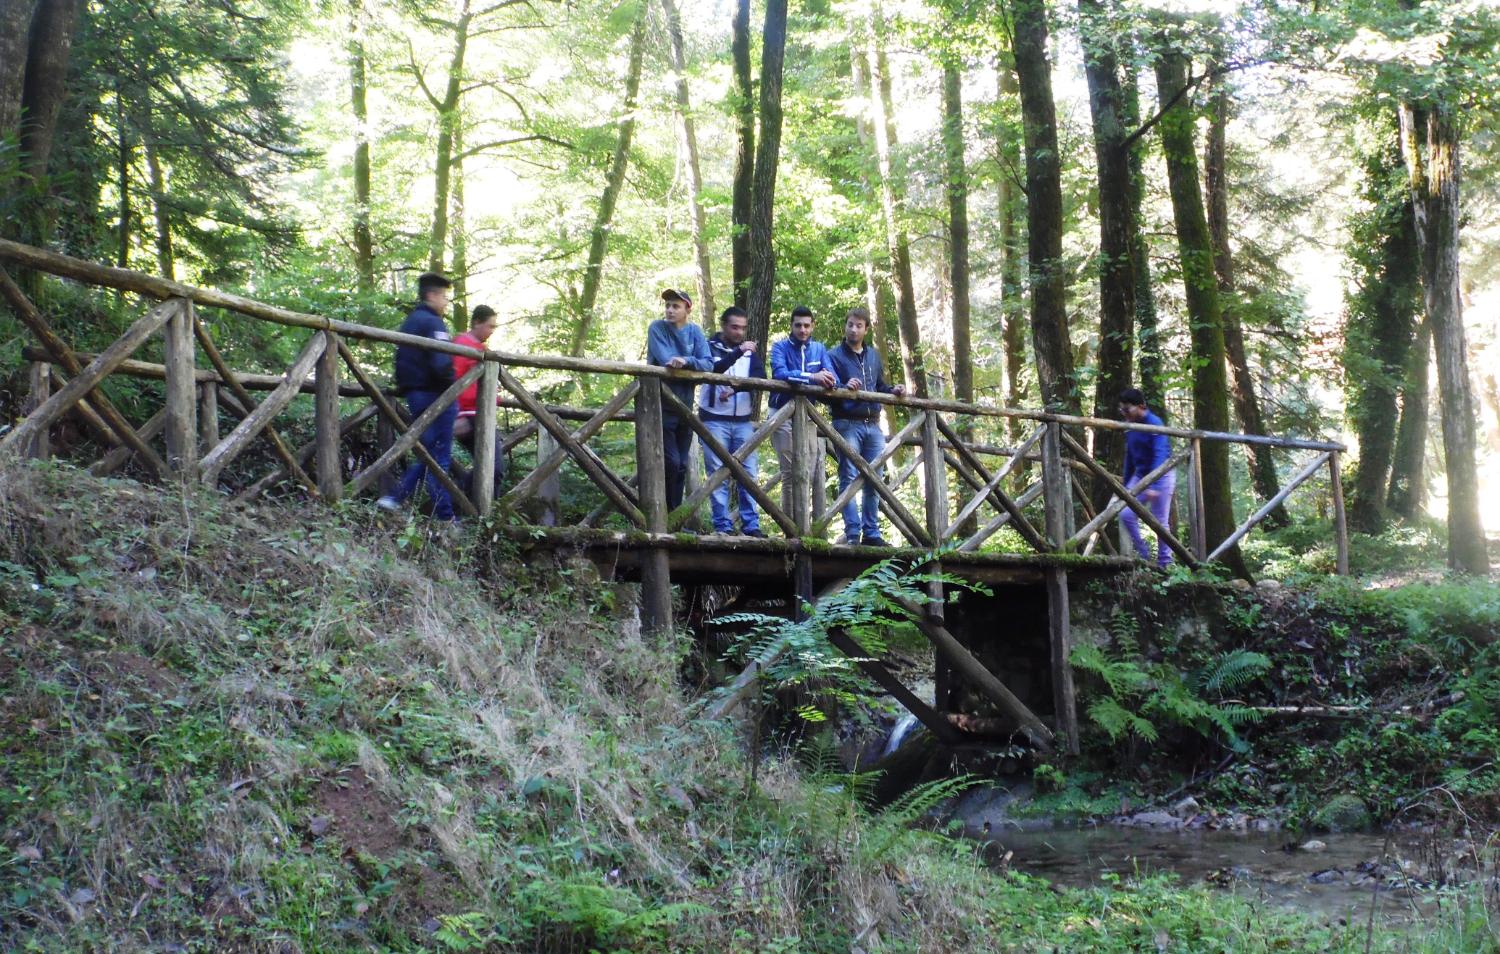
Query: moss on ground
point(281, 728)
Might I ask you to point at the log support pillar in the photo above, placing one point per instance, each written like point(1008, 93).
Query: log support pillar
point(483, 490)
point(208, 416)
point(181, 391)
point(326, 457)
point(1058, 509)
point(39, 388)
point(650, 467)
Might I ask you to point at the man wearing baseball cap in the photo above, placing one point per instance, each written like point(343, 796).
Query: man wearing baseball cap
point(672, 342)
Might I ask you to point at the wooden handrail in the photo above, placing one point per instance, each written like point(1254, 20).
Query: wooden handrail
point(153, 286)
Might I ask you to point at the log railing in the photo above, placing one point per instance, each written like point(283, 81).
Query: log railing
point(945, 478)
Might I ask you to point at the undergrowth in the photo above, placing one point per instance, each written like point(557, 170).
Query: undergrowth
point(282, 728)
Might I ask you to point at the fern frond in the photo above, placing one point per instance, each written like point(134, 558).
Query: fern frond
point(1234, 669)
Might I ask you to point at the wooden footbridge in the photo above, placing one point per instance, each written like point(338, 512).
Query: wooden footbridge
point(1002, 491)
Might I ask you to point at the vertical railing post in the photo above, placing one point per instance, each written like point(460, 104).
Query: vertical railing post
point(1340, 524)
point(650, 468)
point(935, 479)
point(483, 491)
point(39, 385)
point(326, 457)
point(549, 494)
point(1197, 527)
point(385, 436)
point(1057, 505)
point(208, 415)
point(802, 442)
point(181, 392)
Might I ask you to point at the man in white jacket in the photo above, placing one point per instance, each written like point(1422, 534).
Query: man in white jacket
point(726, 411)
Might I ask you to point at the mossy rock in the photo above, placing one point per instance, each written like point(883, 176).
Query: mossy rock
point(1343, 813)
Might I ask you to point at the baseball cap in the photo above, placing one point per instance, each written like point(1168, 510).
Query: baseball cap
point(672, 293)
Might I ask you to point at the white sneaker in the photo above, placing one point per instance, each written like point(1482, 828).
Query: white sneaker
point(388, 503)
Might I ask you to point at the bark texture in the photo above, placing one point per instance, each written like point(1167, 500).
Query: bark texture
point(1195, 249)
point(1430, 139)
point(1044, 212)
point(1408, 490)
point(614, 181)
point(1012, 289)
point(364, 245)
point(15, 24)
point(449, 116)
point(49, 47)
point(1148, 352)
point(1116, 232)
point(1242, 382)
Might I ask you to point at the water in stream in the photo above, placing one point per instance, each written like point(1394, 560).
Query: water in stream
point(1341, 880)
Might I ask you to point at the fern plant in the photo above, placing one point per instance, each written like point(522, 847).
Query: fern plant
point(1137, 697)
point(888, 595)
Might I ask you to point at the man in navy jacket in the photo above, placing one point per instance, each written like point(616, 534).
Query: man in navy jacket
point(674, 342)
point(421, 377)
point(859, 368)
point(800, 359)
point(726, 411)
point(1144, 452)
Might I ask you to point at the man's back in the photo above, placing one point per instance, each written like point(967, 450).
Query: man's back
point(418, 369)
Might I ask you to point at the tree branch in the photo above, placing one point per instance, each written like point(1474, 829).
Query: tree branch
point(508, 142)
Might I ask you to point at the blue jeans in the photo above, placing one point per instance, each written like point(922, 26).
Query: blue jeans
point(733, 435)
point(862, 513)
point(438, 439)
point(1158, 499)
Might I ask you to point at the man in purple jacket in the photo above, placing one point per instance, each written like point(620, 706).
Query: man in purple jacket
point(1144, 452)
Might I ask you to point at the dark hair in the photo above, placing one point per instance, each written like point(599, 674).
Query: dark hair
point(430, 281)
point(1133, 397)
point(733, 311)
point(802, 311)
point(860, 312)
point(481, 314)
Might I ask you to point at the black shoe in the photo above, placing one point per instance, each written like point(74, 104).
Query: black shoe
point(873, 542)
point(753, 532)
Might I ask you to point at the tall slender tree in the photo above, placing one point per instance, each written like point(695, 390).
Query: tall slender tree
point(1044, 209)
point(364, 245)
point(958, 229)
point(694, 169)
point(1116, 231)
point(1408, 488)
point(1148, 352)
point(1430, 143)
point(1013, 322)
point(744, 152)
point(614, 181)
point(893, 205)
point(1201, 288)
point(1241, 382)
point(767, 159)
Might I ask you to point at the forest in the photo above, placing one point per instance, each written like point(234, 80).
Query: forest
point(1271, 216)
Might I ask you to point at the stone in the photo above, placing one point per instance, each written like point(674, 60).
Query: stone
point(1155, 820)
point(1343, 813)
point(1312, 845)
point(1188, 806)
point(1269, 584)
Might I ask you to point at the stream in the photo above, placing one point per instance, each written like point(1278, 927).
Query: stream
point(1339, 881)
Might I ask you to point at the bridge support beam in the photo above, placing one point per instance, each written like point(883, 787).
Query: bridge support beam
point(656, 573)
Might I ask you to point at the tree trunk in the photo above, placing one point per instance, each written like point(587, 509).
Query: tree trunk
point(1012, 310)
point(49, 45)
point(877, 284)
point(460, 227)
point(364, 246)
point(1116, 265)
point(1430, 142)
point(893, 207)
point(1408, 490)
point(1382, 319)
point(165, 260)
point(767, 156)
point(1242, 383)
point(614, 181)
point(1195, 249)
point(15, 24)
point(744, 154)
point(695, 172)
point(958, 233)
point(1048, 278)
point(448, 119)
point(1148, 358)
point(122, 171)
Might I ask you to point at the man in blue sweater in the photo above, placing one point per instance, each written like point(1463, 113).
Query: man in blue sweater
point(801, 360)
point(1144, 452)
point(725, 411)
point(858, 368)
point(422, 376)
point(673, 342)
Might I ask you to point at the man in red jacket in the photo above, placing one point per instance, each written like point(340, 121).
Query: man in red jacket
point(482, 324)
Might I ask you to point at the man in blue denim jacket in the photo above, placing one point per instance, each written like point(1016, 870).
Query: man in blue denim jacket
point(858, 368)
point(421, 377)
point(673, 342)
point(801, 360)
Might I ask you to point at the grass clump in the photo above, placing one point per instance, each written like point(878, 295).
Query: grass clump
point(285, 728)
